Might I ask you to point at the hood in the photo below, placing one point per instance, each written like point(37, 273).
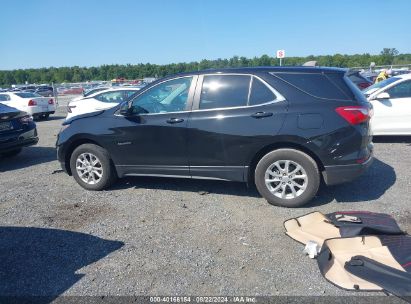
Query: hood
point(7, 112)
point(78, 98)
point(81, 116)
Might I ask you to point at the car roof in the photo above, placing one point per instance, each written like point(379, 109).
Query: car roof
point(245, 70)
point(251, 70)
point(403, 76)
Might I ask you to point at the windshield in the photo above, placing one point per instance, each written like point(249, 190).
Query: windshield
point(27, 95)
point(92, 91)
point(379, 85)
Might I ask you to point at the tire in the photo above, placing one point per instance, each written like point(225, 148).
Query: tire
point(11, 153)
point(103, 173)
point(46, 116)
point(281, 183)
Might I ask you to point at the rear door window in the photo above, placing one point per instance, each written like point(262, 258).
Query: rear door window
point(224, 91)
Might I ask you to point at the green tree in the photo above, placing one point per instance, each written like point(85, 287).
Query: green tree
point(387, 55)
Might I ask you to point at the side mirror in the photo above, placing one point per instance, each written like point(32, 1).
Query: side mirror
point(125, 110)
point(383, 95)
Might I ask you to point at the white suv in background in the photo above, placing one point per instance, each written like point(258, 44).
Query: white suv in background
point(101, 100)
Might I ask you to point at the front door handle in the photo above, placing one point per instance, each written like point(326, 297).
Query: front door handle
point(174, 120)
point(261, 114)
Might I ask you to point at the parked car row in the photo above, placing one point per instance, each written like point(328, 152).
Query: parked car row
point(43, 90)
point(70, 90)
point(372, 75)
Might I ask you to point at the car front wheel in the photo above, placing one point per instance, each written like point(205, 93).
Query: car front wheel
point(287, 177)
point(92, 168)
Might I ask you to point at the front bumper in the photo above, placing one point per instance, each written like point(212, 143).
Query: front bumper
point(61, 160)
point(13, 142)
point(334, 175)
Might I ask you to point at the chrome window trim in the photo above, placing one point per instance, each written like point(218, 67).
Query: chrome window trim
point(279, 97)
point(239, 107)
point(277, 94)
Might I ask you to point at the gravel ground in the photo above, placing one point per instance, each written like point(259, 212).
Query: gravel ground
point(157, 236)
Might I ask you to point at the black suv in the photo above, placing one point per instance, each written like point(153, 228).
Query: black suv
point(281, 128)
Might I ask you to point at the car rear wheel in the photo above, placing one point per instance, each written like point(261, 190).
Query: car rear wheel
point(92, 168)
point(287, 177)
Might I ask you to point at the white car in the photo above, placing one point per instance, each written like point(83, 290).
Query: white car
point(90, 92)
point(102, 100)
point(391, 100)
point(32, 103)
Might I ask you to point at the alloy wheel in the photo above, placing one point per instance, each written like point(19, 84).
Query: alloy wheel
point(286, 179)
point(89, 168)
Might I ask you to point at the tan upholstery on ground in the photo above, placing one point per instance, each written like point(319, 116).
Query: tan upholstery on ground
point(313, 228)
point(344, 249)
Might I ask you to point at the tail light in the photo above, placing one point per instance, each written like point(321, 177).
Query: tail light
point(354, 114)
point(51, 101)
point(26, 119)
point(364, 85)
point(32, 102)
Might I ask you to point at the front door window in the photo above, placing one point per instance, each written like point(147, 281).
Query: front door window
point(166, 97)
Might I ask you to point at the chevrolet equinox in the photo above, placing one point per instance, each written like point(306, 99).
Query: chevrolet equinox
point(283, 128)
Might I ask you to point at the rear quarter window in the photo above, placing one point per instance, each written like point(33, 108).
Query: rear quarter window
point(260, 93)
point(319, 85)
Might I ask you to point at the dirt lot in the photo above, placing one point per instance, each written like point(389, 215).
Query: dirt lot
point(156, 236)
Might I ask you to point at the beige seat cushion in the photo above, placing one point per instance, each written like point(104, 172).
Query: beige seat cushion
point(311, 227)
point(344, 249)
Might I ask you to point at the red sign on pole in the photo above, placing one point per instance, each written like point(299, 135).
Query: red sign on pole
point(281, 54)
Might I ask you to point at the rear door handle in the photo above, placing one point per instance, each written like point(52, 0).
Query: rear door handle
point(174, 120)
point(262, 114)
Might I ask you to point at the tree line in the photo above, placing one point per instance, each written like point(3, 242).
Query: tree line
point(387, 56)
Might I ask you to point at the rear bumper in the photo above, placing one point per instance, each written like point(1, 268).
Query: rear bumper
point(40, 110)
point(42, 113)
point(334, 175)
point(21, 140)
